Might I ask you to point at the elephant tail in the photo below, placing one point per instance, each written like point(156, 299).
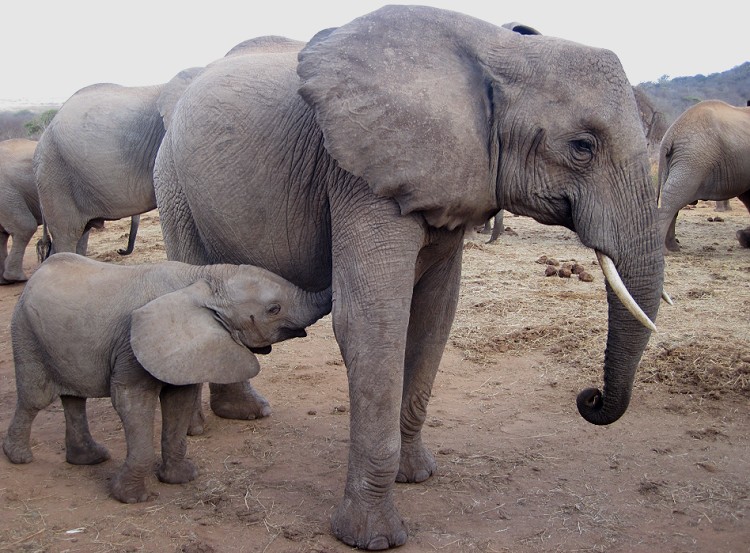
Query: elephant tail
point(44, 244)
point(135, 221)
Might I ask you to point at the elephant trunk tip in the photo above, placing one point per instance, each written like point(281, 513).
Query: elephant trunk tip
point(591, 406)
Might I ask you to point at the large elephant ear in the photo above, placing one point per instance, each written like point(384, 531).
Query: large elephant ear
point(178, 340)
point(404, 102)
point(172, 91)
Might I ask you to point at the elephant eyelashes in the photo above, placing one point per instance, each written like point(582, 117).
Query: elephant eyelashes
point(274, 309)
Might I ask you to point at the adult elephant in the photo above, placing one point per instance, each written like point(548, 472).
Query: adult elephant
point(20, 214)
point(94, 161)
point(704, 155)
point(360, 167)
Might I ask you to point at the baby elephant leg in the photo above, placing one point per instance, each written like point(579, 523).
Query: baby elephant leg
point(177, 408)
point(80, 447)
point(16, 444)
point(35, 392)
point(136, 405)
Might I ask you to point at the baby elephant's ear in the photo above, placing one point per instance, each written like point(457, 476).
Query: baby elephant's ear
point(178, 340)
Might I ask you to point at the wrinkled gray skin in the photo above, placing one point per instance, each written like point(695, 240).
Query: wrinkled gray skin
point(95, 160)
point(361, 166)
point(704, 155)
point(20, 214)
point(166, 327)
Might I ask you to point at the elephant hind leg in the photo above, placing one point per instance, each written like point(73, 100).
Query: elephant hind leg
point(21, 236)
point(238, 401)
point(36, 392)
point(80, 447)
point(17, 445)
point(3, 253)
point(429, 328)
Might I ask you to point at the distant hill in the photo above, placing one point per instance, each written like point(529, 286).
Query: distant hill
point(673, 96)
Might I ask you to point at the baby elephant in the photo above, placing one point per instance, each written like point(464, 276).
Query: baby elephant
point(135, 333)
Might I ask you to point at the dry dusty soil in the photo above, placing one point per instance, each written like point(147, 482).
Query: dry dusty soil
point(519, 470)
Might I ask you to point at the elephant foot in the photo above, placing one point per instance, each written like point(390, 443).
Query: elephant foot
point(11, 280)
point(368, 526)
point(417, 464)
point(11, 276)
point(743, 236)
point(238, 401)
point(197, 422)
point(17, 454)
point(671, 246)
point(130, 489)
point(177, 472)
point(90, 454)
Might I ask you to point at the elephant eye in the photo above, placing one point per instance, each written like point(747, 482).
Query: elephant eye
point(582, 149)
point(274, 309)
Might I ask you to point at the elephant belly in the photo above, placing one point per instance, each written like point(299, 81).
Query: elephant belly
point(273, 240)
point(251, 164)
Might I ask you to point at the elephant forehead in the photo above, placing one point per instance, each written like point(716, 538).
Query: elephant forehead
point(258, 288)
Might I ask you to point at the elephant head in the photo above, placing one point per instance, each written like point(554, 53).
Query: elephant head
point(209, 330)
point(457, 119)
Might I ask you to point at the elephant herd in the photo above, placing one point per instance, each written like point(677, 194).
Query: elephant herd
point(350, 167)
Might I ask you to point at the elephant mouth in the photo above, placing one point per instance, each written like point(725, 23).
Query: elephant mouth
point(265, 350)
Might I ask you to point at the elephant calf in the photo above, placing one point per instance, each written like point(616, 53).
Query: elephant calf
point(20, 213)
point(136, 333)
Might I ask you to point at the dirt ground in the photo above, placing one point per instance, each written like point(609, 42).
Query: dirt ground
point(519, 469)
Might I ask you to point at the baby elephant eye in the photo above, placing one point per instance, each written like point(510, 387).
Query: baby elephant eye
point(274, 309)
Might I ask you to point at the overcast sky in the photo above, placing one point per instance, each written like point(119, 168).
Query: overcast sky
point(51, 48)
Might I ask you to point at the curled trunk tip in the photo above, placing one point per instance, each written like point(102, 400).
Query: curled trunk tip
point(593, 407)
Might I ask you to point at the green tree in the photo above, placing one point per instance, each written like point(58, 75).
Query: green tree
point(36, 126)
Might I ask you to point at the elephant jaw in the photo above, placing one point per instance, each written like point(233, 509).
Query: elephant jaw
point(618, 286)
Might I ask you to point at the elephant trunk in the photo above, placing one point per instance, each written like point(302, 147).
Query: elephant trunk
point(312, 306)
point(627, 337)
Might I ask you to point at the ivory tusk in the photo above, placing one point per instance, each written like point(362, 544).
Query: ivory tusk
point(618, 286)
point(666, 297)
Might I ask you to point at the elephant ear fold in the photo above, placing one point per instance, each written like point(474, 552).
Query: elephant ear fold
point(520, 28)
point(178, 340)
point(172, 91)
point(404, 103)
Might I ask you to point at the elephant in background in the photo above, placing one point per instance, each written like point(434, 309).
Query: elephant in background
point(704, 155)
point(345, 165)
point(20, 214)
point(166, 327)
point(494, 226)
point(94, 161)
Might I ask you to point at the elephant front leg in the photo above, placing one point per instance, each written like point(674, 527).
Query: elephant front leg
point(372, 342)
point(176, 402)
point(136, 405)
point(743, 235)
point(373, 280)
point(80, 447)
point(429, 328)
